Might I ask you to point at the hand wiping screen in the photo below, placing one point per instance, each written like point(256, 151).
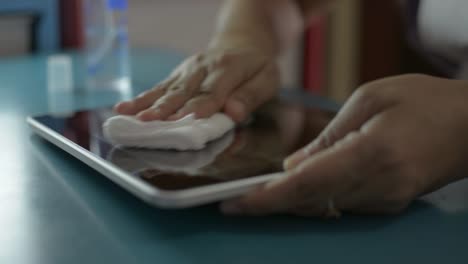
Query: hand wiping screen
point(187, 133)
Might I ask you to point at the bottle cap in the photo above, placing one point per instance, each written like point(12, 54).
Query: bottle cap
point(117, 4)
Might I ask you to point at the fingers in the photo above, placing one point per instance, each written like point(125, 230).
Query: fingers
point(177, 94)
point(299, 156)
point(144, 100)
point(211, 95)
point(255, 92)
point(188, 71)
point(236, 82)
point(311, 184)
point(361, 107)
point(239, 95)
point(201, 106)
point(164, 106)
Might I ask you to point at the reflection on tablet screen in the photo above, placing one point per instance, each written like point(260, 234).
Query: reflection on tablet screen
point(256, 148)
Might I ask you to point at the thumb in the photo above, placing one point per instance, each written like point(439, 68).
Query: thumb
point(361, 106)
point(311, 184)
point(252, 94)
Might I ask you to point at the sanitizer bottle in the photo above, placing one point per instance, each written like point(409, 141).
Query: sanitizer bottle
point(107, 45)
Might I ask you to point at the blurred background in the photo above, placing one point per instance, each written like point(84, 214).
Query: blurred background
point(361, 41)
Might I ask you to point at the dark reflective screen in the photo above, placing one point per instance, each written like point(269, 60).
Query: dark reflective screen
point(254, 148)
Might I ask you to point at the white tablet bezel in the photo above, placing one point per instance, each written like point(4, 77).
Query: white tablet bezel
point(160, 198)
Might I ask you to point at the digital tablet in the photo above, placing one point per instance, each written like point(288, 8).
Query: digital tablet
point(241, 160)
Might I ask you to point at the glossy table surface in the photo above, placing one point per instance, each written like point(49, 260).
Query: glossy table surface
point(54, 209)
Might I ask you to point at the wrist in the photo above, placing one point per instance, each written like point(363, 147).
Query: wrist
point(242, 41)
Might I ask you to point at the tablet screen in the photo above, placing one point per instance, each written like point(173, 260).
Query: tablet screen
point(254, 148)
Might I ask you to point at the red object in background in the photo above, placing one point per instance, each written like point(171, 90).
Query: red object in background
point(381, 30)
point(72, 24)
point(314, 57)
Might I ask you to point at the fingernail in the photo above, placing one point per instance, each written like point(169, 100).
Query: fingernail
point(174, 117)
point(141, 116)
point(287, 163)
point(147, 116)
point(237, 105)
point(311, 147)
point(237, 108)
point(297, 157)
point(121, 106)
point(277, 181)
point(231, 208)
point(292, 160)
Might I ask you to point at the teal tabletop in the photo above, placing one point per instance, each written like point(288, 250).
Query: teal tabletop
point(55, 209)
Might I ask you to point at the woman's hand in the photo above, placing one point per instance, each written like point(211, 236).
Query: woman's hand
point(394, 140)
point(233, 80)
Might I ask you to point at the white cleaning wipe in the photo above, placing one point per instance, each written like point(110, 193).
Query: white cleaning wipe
point(187, 133)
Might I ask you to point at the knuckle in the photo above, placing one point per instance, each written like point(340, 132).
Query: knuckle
point(194, 59)
point(162, 106)
point(142, 95)
point(247, 102)
point(369, 99)
point(206, 98)
point(412, 76)
point(350, 136)
point(206, 89)
point(215, 97)
point(248, 97)
point(162, 87)
point(331, 136)
point(367, 94)
point(179, 90)
point(332, 140)
point(147, 93)
point(203, 101)
point(324, 141)
point(176, 88)
point(204, 111)
point(327, 138)
point(224, 59)
point(198, 57)
point(213, 103)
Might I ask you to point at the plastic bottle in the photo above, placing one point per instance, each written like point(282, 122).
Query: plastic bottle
point(107, 45)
